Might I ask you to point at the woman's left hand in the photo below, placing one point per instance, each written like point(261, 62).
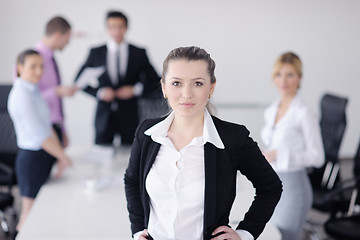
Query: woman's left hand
point(227, 233)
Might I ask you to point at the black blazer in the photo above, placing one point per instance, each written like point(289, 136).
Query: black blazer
point(221, 166)
point(139, 69)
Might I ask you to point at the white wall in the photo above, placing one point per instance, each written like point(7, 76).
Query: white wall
point(244, 38)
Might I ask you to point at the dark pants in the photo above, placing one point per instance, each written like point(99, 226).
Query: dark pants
point(123, 122)
point(58, 130)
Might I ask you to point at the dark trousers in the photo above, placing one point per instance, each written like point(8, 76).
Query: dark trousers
point(123, 122)
point(58, 130)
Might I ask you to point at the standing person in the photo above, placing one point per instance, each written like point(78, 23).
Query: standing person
point(292, 140)
point(38, 143)
point(128, 75)
point(57, 35)
point(181, 179)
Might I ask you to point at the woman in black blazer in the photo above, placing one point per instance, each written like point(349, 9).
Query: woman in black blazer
point(181, 178)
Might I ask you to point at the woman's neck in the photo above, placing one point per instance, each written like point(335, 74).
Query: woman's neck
point(183, 130)
point(188, 126)
point(283, 107)
point(286, 100)
point(49, 42)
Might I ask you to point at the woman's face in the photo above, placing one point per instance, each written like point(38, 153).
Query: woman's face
point(287, 80)
point(32, 68)
point(187, 86)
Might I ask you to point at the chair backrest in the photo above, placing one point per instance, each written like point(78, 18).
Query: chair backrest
point(7, 137)
point(357, 162)
point(4, 94)
point(332, 124)
point(152, 108)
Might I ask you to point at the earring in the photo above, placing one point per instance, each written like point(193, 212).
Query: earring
point(209, 96)
point(165, 97)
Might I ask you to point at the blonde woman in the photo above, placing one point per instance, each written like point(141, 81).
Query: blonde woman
point(292, 140)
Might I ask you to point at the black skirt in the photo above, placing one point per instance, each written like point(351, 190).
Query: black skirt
point(32, 170)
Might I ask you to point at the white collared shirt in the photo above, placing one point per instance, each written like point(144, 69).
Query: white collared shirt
point(123, 48)
point(30, 115)
point(176, 184)
point(296, 137)
point(112, 48)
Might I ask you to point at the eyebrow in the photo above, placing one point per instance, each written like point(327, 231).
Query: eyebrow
point(193, 79)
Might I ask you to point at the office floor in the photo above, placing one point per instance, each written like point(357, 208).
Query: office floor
point(315, 216)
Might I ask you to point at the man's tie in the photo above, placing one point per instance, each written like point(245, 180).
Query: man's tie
point(114, 104)
point(117, 67)
point(58, 84)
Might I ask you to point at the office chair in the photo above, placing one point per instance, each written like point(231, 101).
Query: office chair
point(8, 146)
point(152, 107)
point(324, 179)
point(8, 151)
point(6, 200)
point(347, 226)
point(332, 125)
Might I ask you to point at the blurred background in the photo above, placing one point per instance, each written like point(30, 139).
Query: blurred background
point(243, 37)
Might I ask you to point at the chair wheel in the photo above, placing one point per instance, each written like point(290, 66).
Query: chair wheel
point(5, 227)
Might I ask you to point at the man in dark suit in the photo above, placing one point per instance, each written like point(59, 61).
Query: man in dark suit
point(128, 75)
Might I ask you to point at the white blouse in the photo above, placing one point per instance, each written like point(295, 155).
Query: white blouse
point(30, 115)
point(176, 184)
point(296, 137)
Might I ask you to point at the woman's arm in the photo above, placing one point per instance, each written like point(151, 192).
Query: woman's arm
point(52, 146)
point(132, 186)
point(88, 63)
point(267, 184)
point(312, 155)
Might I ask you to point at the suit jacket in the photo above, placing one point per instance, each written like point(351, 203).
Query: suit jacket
point(221, 166)
point(139, 69)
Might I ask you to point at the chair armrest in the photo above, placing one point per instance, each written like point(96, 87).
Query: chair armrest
point(343, 186)
point(8, 170)
point(10, 175)
point(349, 181)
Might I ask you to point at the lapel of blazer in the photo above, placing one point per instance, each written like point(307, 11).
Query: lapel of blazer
point(103, 59)
point(153, 151)
point(130, 63)
point(210, 185)
point(103, 56)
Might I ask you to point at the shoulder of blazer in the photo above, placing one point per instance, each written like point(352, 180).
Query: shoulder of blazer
point(135, 48)
point(229, 131)
point(99, 49)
